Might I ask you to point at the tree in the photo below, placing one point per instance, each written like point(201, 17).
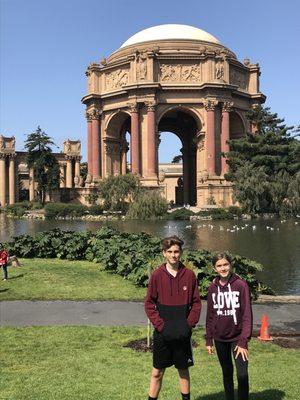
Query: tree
point(263, 165)
point(118, 191)
point(43, 162)
point(177, 159)
point(147, 204)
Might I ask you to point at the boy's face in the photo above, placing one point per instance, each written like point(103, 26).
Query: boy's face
point(223, 268)
point(172, 255)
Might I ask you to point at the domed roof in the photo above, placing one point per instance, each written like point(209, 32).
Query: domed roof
point(170, 31)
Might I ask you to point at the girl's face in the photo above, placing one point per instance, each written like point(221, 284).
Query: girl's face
point(223, 268)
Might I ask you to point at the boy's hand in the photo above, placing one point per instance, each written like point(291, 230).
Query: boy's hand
point(241, 351)
point(210, 350)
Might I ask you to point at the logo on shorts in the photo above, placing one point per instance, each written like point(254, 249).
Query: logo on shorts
point(184, 288)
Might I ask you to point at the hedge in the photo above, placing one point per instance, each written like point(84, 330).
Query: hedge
point(133, 256)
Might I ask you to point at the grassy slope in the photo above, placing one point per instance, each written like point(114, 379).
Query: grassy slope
point(53, 279)
point(87, 363)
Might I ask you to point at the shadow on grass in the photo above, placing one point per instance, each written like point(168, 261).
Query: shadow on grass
point(270, 394)
point(3, 290)
point(15, 277)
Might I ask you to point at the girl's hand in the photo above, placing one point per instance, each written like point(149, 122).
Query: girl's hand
point(241, 351)
point(210, 350)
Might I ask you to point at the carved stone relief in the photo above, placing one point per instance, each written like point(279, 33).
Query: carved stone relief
point(112, 148)
point(72, 147)
point(141, 60)
point(238, 78)
point(116, 79)
point(219, 70)
point(180, 73)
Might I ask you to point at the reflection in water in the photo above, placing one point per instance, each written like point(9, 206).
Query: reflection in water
point(273, 243)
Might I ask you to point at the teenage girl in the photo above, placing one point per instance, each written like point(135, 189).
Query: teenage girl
point(229, 325)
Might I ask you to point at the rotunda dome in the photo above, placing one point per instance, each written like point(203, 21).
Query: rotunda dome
point(168, 32)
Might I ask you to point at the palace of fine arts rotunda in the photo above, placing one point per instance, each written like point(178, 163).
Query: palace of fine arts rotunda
point(167, 78)
point(170, 78)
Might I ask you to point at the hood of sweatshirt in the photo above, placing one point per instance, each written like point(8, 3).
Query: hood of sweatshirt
point(174, 281)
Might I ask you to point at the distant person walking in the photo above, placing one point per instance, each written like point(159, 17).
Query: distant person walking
point(229, 325)
point(4, 261)
point(173, 306)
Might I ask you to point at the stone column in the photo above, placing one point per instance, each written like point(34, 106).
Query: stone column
point(89, 143)
point(185, 173)
point(69, 178)
point(151, 136)
point(2, 180)
point(225, 131)
point(96, 144)
point(77, 171)
point(12, 179)
point(62, 182)
point(210, 106)
point(31, 184)
point(124, 149)
point(135, 140)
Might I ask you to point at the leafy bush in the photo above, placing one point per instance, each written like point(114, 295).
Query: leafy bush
point(146, 205)
point(235, 210)
point(180, 214)
point(133, 256)
point(16, 210)
point(56, 210)
point(95, 209)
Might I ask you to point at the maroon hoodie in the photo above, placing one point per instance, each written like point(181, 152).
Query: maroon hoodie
point(173, 301)
point(229, 312)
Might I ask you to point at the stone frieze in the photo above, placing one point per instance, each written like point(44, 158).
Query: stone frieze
point(116, 79)
point(189, 73)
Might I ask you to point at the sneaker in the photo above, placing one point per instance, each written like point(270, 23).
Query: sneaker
point(4, 279)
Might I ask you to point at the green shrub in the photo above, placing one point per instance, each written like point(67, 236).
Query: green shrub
point(235, 210)
point(130, 255)
point(95, 209)
point(217, 214)
point(57, 210)
point(146, 205)
point(16, 210)
point(35, 205)
point(180, 214)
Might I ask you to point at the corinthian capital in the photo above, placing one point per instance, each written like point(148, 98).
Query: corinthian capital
point(210, 104)
point(151, 105)
point(227, 106)
point(95, 113)
point(133, 107)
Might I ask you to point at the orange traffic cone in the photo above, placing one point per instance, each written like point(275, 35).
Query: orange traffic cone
point(264, 330)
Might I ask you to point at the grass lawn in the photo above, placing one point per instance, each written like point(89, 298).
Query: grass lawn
point(53, 279)
point(88, 363)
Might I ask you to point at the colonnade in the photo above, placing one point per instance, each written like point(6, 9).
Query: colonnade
point(7, 178)
point(70, 172)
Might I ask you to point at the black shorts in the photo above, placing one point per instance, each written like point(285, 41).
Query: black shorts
point(175, 352)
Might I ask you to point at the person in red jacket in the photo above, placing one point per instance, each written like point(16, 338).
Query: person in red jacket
point(229, 325)
point(3, 261)
point(173, 306)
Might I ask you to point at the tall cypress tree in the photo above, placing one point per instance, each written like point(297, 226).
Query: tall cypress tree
point(43, 162)
point(263, 165)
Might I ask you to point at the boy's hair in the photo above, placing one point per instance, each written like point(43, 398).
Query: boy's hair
point(170, 241)
point(220, 256)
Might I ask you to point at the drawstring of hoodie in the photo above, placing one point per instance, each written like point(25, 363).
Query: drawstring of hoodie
point(232, 306)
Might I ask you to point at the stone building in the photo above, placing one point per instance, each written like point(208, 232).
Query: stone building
point(17, 181)
point(169, 78)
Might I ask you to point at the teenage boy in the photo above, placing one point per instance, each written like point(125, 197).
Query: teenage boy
point(173, 306)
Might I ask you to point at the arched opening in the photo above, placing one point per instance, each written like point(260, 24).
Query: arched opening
point(184, 125)
point(237, 127)
point(117, 144)
point(170, 167)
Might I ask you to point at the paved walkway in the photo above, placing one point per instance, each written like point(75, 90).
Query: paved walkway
point(282, 317)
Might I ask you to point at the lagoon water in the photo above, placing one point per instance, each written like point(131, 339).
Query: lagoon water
point(275, 243)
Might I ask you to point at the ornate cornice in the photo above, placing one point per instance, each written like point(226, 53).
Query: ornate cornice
point(210, 104)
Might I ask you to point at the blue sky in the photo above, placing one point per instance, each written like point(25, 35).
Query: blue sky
point(47, 45)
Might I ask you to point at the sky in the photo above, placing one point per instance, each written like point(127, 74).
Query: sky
point(46, 46)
